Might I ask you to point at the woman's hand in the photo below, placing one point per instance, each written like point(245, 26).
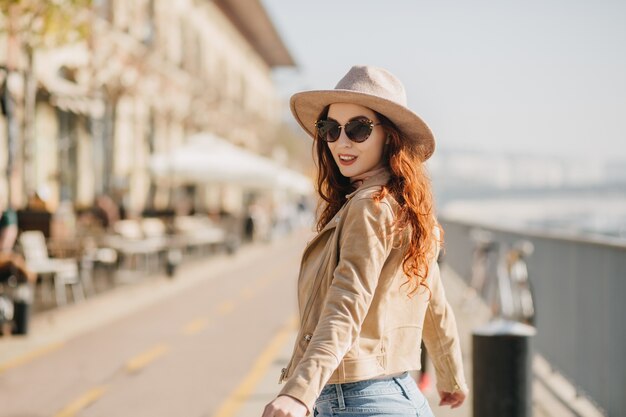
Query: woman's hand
point(285, 406)
point(453, 399)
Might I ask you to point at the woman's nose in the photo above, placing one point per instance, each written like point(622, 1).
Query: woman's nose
point(343, 139)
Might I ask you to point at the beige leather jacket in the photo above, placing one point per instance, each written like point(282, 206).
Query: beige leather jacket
point(356, 320)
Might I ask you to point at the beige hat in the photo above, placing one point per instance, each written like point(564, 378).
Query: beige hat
point(371, 87)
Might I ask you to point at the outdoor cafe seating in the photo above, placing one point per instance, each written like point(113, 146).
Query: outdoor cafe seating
point(58, 272)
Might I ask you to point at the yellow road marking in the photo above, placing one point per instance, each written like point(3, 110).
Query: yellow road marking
point(144, 359)
point(196, 326)
point(21, 360)
point(226, 307)
point(239, 396)
point(82, 402)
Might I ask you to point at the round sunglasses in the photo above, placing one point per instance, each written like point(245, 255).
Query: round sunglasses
point(358, 129)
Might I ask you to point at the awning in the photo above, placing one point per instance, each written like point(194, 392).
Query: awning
point(68, 95)
point(206, 158)
point(78, 105)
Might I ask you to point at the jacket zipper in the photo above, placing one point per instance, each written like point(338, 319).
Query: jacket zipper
point(305, 316)
point(282, 374)
point(307, 308)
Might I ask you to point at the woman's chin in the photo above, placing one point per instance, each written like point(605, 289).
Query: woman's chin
point(346, 172)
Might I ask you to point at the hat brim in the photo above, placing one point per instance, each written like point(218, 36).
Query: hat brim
point(306, 107)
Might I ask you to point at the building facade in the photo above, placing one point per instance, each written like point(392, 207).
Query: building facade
point(146, 76)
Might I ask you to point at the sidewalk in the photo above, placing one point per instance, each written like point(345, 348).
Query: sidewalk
point(473, 315)
point(50, 329)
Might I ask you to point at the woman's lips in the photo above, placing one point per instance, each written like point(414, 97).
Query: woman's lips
point(346, 161)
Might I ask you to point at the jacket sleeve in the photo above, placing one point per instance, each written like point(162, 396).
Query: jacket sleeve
point(365, 243)
point(441, 337)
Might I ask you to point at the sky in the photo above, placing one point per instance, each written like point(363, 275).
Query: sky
point(535, 77)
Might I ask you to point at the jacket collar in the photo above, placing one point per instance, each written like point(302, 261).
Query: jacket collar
point(378, 179)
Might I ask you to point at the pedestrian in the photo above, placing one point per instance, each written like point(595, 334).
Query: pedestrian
point(369, 288)
point(8, 230)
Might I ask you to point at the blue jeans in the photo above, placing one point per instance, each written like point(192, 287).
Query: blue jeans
point(391, 397)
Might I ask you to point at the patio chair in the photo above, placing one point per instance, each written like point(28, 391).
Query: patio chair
point(62, 272)
point(131, 241)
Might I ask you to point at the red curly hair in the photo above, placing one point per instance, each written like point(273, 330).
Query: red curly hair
point(409, 184)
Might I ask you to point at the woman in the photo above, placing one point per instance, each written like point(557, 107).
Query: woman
point(369, 288)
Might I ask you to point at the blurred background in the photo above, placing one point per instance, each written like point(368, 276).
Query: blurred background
point(153, 179)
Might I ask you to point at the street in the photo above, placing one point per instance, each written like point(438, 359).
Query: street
point(209, 343)
point(183, 354)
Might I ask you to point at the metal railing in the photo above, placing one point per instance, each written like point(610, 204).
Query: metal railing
point(499, 275)
point(579, 290)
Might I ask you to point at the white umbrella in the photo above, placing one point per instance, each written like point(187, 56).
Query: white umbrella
point(294, 181)
point(206, 158)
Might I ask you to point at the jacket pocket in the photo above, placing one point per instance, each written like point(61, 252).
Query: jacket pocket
point(404, 339)
point(363, 367)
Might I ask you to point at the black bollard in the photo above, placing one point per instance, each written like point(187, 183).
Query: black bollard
point(502, 376)
point(21, 317)
point(173, 259)
point(22, 304)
